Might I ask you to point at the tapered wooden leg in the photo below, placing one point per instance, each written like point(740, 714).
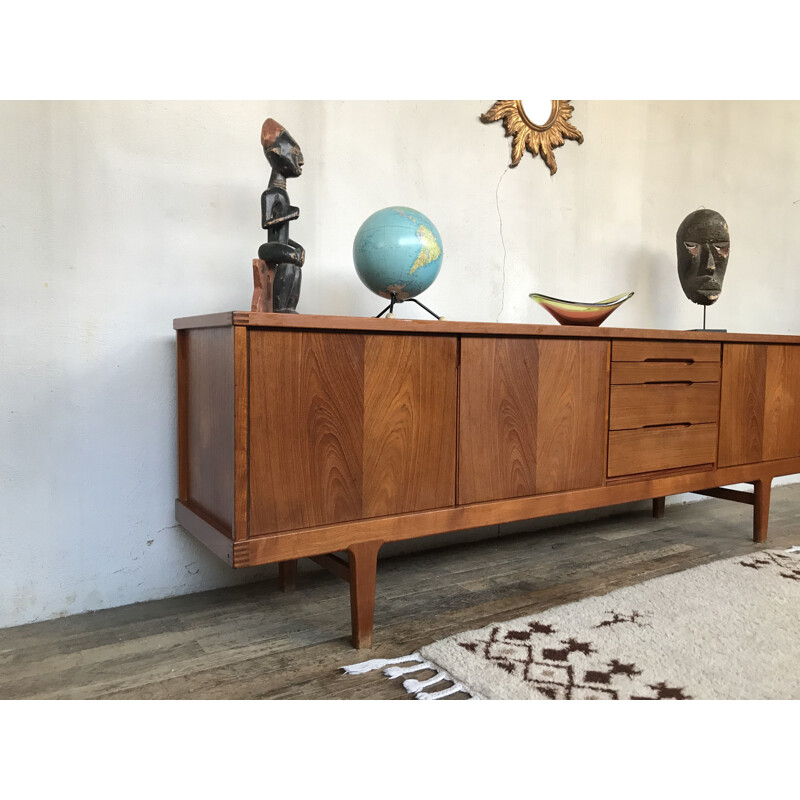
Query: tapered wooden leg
point(287, 575)
point(658, 506)
point(761, 493)
point(363, 569)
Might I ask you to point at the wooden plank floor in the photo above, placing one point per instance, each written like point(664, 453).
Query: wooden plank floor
point(254, 642)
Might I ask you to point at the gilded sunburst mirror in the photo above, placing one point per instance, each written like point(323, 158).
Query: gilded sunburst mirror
point(538, 139)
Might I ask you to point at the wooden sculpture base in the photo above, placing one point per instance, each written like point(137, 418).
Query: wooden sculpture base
point(263, 277)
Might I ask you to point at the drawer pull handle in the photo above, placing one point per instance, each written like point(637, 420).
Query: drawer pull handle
point(670, 425)
point(669, 383)
point(687, 361)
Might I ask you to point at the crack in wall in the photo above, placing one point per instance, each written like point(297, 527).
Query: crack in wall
point(503, 242)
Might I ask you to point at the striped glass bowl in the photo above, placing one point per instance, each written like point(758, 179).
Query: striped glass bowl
point(569, 312)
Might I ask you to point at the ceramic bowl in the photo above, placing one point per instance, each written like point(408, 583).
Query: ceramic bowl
point(569, 312)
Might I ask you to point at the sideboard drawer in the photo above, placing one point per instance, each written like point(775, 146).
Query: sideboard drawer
point(630, 372)
point(660, 448)
point(640, 405)
point(664, 362)
point(692, 352)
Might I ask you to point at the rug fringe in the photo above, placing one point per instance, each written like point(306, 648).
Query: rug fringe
point(377, 663)
point(456, 687)
point(396, 672)
point(412, 685)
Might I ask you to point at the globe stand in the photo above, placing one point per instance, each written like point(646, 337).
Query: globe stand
point(396, 299)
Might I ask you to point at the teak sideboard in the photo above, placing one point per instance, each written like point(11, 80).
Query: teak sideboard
point(324, 437)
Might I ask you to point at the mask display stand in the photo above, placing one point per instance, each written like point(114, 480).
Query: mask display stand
point(711, 330)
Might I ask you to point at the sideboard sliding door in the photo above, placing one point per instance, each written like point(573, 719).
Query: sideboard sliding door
point(532, 416)
point(345, 426)
point(759, 419)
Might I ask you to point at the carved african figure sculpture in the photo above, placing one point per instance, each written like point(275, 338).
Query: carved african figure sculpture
point(703, 244)
point(280, 255)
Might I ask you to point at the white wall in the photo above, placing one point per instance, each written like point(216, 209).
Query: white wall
point(116, 217)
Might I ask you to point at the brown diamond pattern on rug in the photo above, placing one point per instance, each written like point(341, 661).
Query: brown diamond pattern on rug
point(558, 668)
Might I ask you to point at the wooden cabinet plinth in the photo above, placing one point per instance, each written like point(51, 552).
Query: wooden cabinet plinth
point(304, 436)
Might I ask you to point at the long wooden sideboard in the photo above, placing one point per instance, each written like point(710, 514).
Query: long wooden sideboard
point(324, 437)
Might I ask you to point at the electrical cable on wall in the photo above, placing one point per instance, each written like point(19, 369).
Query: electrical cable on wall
point(502, 240)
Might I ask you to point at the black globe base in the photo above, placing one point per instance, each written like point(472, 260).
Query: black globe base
point(396, 299)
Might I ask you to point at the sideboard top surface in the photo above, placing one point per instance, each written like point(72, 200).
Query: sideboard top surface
point(253, 319)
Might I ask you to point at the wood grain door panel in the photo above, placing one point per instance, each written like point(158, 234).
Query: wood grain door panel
point(571, 414)
point(532, 416)
point(345, 426)
point(741, 415)
point(410, 402)
point(306, 429)
point(781, 437)
point(760, 405)
point(497, 418)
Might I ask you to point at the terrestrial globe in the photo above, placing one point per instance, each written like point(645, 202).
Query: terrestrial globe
point(397, 250)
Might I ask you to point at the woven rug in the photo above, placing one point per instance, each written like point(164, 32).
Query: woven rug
point(727, 630)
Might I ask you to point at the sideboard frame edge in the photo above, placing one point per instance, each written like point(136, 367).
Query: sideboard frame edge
point(205, 531)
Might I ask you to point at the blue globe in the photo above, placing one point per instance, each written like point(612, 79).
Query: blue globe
point(397, 249)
